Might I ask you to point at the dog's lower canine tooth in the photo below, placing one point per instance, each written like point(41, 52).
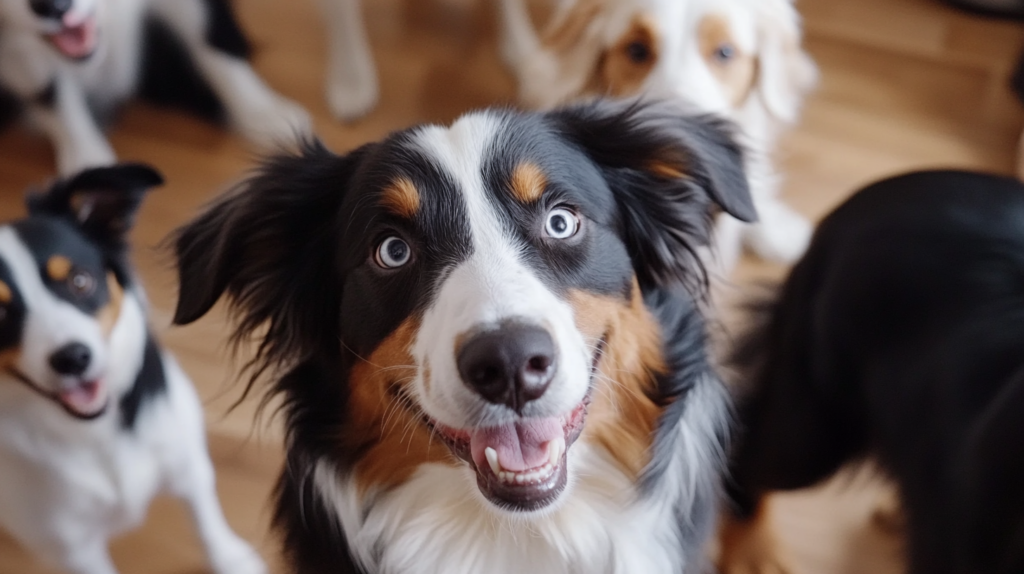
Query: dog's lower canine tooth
point(492, 459)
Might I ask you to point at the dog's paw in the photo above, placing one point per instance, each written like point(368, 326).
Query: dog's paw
point(781, 234)
point(351, 100)
point(237, 557)
point(274, 124)
point(75, 158)
point(749, 547)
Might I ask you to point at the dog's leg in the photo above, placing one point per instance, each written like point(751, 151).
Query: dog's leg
point(62, 113)
point(92, 558)
point(518, 36)
point(257, 112)
point(352, 88)
point(986, 490)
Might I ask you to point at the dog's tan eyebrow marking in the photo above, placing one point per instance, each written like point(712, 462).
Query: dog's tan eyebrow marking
point(666, 169)
point(528, 182)
point(6, 295)
point(58, 268)
point(401, 198)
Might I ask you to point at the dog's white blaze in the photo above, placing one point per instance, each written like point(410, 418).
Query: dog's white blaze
point(438, 521)
point(492, 285)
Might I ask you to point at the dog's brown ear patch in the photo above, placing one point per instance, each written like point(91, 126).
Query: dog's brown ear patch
point(734, 69)
point(622, 417)
point(528, 182)
point(401, 198)
point(624, 68)
point(6, 295)
point(382, 423)
point(58, 268)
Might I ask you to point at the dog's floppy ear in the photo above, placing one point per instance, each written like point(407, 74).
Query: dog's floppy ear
point(667, 170)
point(102, 201)
point(786, 73)
point(268, 244)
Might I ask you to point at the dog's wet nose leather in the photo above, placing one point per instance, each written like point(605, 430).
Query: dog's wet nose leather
point(50, 8)
point(71, 359)
point(511, 365)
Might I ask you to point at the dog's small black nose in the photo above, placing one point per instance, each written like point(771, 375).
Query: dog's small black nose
point(51, 8)
point(71, 359)
point(511, 365)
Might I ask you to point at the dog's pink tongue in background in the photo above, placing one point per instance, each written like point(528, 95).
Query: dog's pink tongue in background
point(76, 41)
point(520, 446)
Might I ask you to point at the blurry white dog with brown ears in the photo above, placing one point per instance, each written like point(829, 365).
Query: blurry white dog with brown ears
point(738, 58)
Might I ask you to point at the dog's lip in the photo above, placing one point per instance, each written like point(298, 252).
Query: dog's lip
point(66, 401)
point(543, 485)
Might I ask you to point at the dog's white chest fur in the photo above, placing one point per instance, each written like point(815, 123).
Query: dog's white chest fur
point(89, 474)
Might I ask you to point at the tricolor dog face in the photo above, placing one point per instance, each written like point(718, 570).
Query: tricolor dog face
point(63, 277)
point(476, 290)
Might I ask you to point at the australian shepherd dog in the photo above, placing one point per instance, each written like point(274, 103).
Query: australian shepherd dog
point(488, 337)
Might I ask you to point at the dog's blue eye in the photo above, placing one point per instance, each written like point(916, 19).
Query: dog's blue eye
point(561, 223)
point(81, 283)
point(393, 252)
point(725, 52)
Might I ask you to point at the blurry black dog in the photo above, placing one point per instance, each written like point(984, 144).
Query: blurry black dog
point(899, 337)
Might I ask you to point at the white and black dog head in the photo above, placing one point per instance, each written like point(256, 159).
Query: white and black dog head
point(71, 26)
point(63, 282)
point(481, 285)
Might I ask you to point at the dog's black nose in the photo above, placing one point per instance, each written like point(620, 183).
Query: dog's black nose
point(71, 359)
point(51, 8)
point(511, 366)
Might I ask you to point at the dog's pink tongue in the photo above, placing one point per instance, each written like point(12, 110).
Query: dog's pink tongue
point(520, 446)
point(76, 41)
point(85, 399)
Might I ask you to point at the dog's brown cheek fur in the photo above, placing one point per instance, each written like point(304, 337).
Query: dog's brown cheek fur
point(393, 438)
point(622, 416)
point(739, 74)
point(619, 74)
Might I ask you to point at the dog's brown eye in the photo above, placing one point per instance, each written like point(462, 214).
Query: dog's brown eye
point(81, 283)
point(725, 53)
point(638, 52)
point(561, 223)
point(392, 253)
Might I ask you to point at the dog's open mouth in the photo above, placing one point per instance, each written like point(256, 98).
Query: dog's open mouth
point(521, 465)
point(84, 399)
point(76, 40)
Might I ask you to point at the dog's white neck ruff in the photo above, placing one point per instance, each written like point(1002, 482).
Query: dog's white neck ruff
point(438, 521)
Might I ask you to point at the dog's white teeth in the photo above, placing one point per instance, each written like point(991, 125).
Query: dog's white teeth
point(556, 449)
point(492, 459)
point(536, 475)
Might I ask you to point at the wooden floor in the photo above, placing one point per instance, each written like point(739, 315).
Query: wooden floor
point(905, 84)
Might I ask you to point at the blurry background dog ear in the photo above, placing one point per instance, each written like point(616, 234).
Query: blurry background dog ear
point(669, 172)
point(786, 72)
point(102, 201)
point(268, 244)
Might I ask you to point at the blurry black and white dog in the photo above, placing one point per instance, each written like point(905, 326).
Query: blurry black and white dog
point(488, 359)
point(899, 337)
point(69, 63)
point(95, 419)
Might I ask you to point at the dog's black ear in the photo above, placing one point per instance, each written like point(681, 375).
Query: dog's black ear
point(102, 201)
point(668, 171)
point(268, 244)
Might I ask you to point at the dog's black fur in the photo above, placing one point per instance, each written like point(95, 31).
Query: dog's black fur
point(900, 337)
